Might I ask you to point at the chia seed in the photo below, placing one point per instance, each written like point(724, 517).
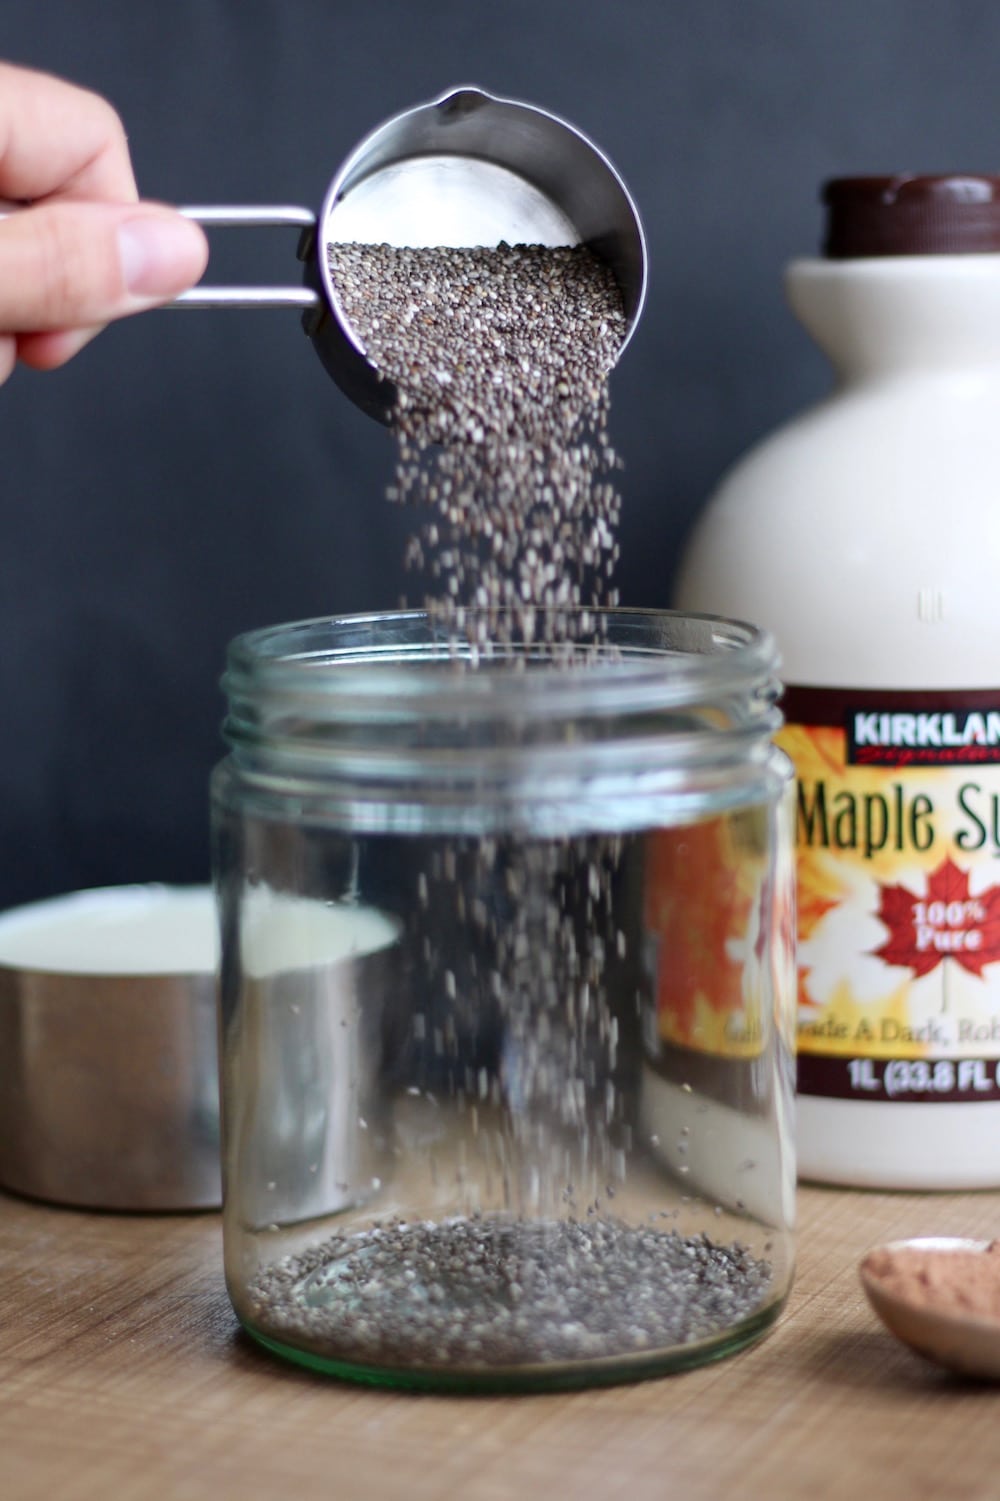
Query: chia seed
point(468, 1292)
point(500, 360)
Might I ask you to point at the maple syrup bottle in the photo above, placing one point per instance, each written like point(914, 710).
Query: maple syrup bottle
point(866, 536)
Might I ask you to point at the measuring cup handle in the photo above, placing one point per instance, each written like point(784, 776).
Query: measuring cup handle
point(251, 216)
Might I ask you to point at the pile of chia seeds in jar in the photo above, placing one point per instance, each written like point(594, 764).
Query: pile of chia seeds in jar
point(468, 1292)
point(500, 360)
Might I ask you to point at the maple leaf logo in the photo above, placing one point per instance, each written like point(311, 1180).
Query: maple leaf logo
point(947, 923)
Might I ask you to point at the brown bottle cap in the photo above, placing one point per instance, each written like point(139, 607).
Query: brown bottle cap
point(911, 215)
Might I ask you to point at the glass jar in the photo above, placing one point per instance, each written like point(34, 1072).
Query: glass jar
point(507, 999)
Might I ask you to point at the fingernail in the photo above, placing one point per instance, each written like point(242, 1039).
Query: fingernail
point(160, 255)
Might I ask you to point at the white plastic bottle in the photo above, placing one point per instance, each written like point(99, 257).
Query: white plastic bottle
point(866, 535)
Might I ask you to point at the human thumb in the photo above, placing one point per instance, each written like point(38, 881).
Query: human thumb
point(69, 265)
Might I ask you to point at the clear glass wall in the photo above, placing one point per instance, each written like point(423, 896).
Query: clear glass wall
point(507, 997)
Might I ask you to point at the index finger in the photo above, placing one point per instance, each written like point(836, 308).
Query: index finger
point(58, 140)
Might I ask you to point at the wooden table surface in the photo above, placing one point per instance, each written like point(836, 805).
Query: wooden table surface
point(123, 1377)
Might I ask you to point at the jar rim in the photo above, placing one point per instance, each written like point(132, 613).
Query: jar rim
point(656, 659)
point(365, 720)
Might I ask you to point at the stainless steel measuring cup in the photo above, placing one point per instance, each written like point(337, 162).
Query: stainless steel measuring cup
point(464, 169)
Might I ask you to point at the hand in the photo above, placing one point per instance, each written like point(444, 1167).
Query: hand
point(86, 250)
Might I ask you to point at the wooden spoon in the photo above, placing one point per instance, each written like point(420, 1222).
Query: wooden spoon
point(960, 1338)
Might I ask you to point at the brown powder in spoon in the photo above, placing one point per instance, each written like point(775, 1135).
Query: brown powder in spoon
point(950, 1281)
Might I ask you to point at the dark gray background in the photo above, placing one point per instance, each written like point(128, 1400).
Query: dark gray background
point(193, 475)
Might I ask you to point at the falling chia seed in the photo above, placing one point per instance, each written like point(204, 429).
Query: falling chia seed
point(500, 359)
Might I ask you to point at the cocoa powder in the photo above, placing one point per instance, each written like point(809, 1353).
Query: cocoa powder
point(948, 1281)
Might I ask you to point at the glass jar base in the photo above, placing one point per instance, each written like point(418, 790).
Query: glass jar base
point(541, 1378)
point(491, 1294)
